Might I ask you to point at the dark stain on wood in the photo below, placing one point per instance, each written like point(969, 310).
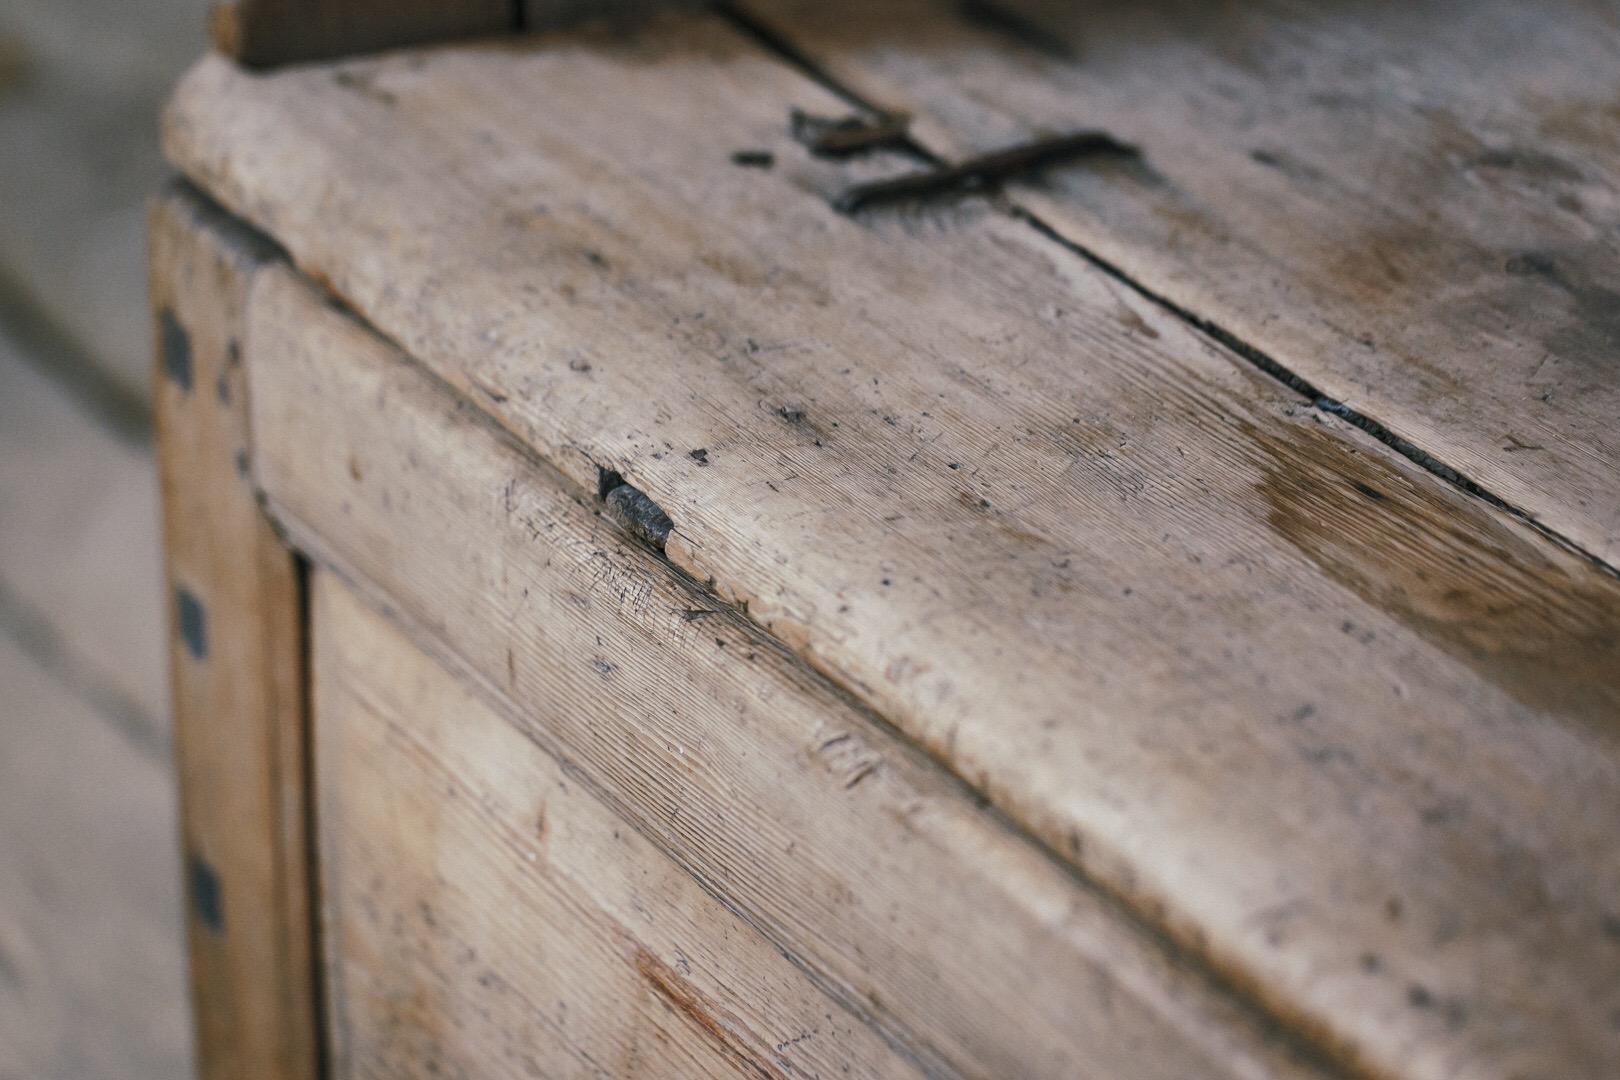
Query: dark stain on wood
point(687, 1002)
point(753, 159)
point(176, 349)
point(206, 895)
point(191, 621)
point(1480, 590)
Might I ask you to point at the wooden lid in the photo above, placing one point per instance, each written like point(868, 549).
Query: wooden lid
point(1230, 598)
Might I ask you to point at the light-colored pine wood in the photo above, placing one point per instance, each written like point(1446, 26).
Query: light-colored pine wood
point(1412, 206)
point(79, 557)
point(92, 977)
point(236, 667)
point(1336, 727)
point(487, 916)
point(881, 877)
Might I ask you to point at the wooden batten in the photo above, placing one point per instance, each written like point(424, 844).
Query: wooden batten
point(268, 33)
point(237, 674)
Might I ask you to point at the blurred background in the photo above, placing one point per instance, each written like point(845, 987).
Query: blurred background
point(91, 962)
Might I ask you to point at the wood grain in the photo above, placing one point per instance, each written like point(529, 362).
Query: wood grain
point(236, 667)
point(1140, 596)
point(487, 916)
point(1411, 207)
point(886, 882)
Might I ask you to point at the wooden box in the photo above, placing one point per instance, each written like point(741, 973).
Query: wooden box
point(822, 540)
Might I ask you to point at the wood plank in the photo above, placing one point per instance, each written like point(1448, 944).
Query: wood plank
point(264, 33)
point(1155, 599)
point(484, 911)
point(81, 83)
point(91, 969)
point(79, 551)
point(884, 880)
point(1411, 207)
point(236, 667)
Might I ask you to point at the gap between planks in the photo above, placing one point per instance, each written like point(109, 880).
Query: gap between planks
point(987, 14)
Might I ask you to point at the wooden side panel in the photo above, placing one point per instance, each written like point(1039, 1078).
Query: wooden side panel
point(236, 668)
point(485, 915)
point(261, 33)
point(883, 878)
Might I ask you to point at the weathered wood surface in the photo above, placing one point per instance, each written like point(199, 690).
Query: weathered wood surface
point(880, 876)
point(80, 574)
point(487, 916)
point(236, 667)
point(81, 82)
point(1413, 206)
point(91, 966)
point(1338, 728)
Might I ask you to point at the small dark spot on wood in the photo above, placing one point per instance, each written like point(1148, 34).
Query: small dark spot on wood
point(1392, 908)
point(596, 259)
point(842, 136)
point(753, 159)
point(207, 895)
point(1532, 264)
point(700, 455)
point(222, 388)
point(1419, 997)
point(1611, 927)
point(694, 614)
point(176, 346)
point(603, 667)
point(363, 84)
point(793, 414)
point(192, 622)
point(242, 465)
point(954, 465)
point(1371, 492)
point(1371, 964)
